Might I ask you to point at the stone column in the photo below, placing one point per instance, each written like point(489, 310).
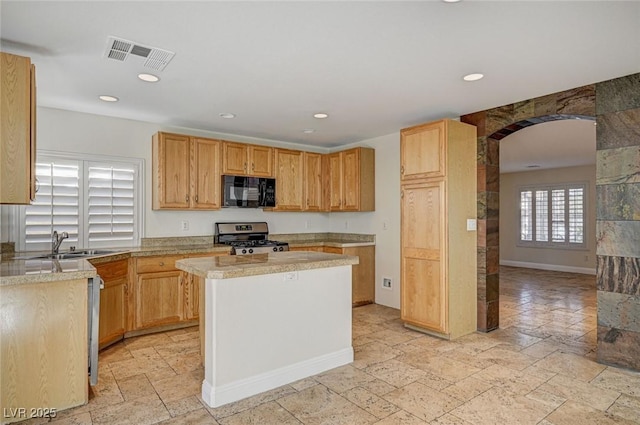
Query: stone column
point(618, 221)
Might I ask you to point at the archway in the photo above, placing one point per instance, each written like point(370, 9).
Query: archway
point(617, 111)
point(493, 125)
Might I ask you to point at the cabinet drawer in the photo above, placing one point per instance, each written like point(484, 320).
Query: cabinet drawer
point(162, 263)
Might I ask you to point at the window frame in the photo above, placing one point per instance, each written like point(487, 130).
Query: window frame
point(549, 188)
point(84, 160)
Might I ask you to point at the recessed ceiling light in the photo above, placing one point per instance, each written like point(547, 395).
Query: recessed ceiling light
point(533, 166)
point(227, 115)
point(451, 1)
point(473, 77)
point(308, 130)
point(321, 115)
point(107, 98)
point(149, 78)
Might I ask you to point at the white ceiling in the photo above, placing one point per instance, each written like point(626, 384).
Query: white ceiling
point(375, 67)
point(555, 144)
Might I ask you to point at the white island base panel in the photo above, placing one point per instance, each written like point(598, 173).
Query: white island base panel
point(265, 331)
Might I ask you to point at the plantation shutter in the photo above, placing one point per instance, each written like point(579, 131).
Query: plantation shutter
point(111, 204)
point(56, 205)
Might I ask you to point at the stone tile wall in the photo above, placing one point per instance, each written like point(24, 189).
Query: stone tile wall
point(616, 106)
point(618, 221)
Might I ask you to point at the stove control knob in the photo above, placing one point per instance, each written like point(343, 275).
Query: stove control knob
point(275, 249)
point(250, 250)
point(244, 251)
point(280, 249)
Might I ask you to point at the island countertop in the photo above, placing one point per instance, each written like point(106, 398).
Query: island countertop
point(232, 266)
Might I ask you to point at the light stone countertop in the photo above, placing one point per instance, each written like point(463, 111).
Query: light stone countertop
point(42, 270)
point(20, 270)
point(232, 266)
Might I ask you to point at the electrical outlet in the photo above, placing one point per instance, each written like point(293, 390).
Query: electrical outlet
point(472, 224)
point(346, 224)
point(291, 276)
point(385, 226)
point(386, 283)
point(184, 225)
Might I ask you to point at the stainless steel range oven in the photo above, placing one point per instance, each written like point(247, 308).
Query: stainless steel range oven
point(247, 238)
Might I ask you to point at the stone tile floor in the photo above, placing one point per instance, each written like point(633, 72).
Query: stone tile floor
point(538, 368)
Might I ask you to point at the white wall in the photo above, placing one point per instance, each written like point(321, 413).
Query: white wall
point(580, 261)
point(67, 131)
point(387, 212)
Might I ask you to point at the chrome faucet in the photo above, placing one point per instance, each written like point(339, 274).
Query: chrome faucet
point(56, 240)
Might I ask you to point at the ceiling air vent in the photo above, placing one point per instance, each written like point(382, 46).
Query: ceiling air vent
point(150, 57)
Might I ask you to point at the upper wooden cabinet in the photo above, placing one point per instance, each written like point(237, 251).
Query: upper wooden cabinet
point(186, 172)
point(17, 129)
point(351, 180)
point(298, 180)
point(313, 195)
point(422, 151)
point(290, 179)
point(241, 159)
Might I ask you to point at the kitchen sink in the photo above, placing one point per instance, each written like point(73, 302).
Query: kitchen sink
point(70, 255)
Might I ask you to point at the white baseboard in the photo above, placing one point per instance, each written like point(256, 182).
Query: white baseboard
point(234, 391)
point(553, 267)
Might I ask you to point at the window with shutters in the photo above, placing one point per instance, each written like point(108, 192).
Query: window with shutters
point(553, 216)
point(97, 200)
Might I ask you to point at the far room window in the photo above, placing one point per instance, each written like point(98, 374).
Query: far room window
point(96, 199)
point(553, 216)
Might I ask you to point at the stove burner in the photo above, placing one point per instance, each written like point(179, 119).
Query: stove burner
point(248, 238)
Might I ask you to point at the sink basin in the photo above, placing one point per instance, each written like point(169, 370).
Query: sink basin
point(74, 254)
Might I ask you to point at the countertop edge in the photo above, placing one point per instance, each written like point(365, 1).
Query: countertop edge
point(210, 271)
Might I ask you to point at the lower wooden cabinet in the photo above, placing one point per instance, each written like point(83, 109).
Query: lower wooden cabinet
point(113, 301)
point(159, 299)
point(363, 274)
point(164, 296)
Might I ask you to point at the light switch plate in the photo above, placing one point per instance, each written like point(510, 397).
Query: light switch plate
point(472, 224)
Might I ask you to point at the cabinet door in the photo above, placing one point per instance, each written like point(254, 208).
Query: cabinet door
point(113, 302)
point(423, 292)
point(17, 129)
point(363, 279)
point(234, 158)
point(289, 180)
point(171, 165)
point(261, 159)
point(159, 299)
point(351, 180)
point(422, 151)
point(205, 174)
point(191, 296)
point(312, 181)
point(335, 180)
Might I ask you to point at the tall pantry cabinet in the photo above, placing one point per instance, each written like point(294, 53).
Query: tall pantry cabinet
point(438, 277)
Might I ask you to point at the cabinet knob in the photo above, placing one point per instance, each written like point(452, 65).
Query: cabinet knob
point(161, 263)
point(186, 198)
point(195, 198)
point(245, 166)
point(253, 166)
point(402, 194)
point(37, 185)
point(402, 169)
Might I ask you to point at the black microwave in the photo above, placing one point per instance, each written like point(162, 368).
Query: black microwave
point(248, 192)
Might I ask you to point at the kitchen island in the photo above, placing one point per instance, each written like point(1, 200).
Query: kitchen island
point(271, 319)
